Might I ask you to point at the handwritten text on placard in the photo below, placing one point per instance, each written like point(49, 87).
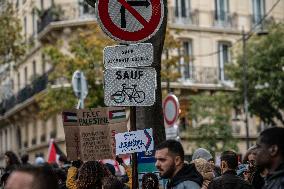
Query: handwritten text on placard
point(135, 141)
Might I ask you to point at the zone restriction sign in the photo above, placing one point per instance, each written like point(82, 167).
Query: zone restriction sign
point(130, 21)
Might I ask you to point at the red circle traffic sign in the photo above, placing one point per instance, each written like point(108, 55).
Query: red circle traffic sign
point(130, 21)
point(171, 109)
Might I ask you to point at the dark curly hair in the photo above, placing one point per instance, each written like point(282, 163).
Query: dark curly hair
point(150, 181)
point(12, 159)
point(112, 183)
point(91, 174)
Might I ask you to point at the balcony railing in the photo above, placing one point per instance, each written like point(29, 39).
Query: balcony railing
point(258, 24)
point(52, 14)
point(65, 12)
point(199, 74)
point(224, 19)
point(35, 87)
point(183, 16)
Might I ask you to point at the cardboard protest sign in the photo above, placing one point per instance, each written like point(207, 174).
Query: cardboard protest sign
point(101, 116)
point(72, 138)
point(135, 141)
point(90, 133)
point(69, 117)
point(95, 142)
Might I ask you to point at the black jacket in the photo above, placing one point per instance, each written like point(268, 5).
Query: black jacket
point(257, 180)
point(229, 180)
point(187, 173)
point(276, 179)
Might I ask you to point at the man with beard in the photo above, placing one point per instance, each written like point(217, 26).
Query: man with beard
point(170, 162)
point(270, 155)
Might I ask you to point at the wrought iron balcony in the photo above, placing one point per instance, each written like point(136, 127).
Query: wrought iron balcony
point(52, 14)
point(199, 74)
point(224, 19)
point(35, 87)
point(183, 16)
point(65, 12)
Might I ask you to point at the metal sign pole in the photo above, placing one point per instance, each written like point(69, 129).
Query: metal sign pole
point(81, 94)
point(80, 87)
point(79, 91)
point(134, 155)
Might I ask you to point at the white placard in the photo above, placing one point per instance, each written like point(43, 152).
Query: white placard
point(130, 86)
point(135, 141)
point(133, 55)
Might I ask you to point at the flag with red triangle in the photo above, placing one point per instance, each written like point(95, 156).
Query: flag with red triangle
point(53, 152)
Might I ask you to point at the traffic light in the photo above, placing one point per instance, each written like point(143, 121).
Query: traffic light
point(91, 2)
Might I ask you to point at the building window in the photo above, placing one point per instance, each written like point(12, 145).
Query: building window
point(53, 132)
point(187, 68)
point(258, 10)
point(43, 64)
point(34, 22)
point(26, 75)
point(25, 28)
point(86, 9)
point(19, 137)
point(19, 80)
point(182, 10)
point(6, 139)
point(12, 84)
point(34, 69)
point(43, 132)
point(17, 3)
point(224, 58)
point(34, 132)
point(221, 12)
point(26, 143)
point(41, 4)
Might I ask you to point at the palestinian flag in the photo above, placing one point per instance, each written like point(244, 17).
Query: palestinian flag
point(117, 115)
point(69, 117)
point(53, 152)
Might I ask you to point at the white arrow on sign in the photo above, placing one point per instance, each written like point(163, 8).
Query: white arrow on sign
point(133, 55)
point(130, 86)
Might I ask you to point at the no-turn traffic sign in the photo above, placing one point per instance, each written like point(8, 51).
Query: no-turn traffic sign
point(130, 21)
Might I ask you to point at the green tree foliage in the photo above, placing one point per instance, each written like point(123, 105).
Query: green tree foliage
point(11, 41)
point(85, 53)
point(212, 117)
point(265, 75)
point(170, 64)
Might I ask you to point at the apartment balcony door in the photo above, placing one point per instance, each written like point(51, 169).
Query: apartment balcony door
point(221, 12)
point(86, 11)
point(258, 10)
point(223, 59)
point(187, 65)
point(182, 11)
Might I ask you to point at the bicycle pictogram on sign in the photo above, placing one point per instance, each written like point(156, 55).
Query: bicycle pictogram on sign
point(130, 21)
point(130, 93)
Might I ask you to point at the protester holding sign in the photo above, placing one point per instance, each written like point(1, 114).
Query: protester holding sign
point(90, 176)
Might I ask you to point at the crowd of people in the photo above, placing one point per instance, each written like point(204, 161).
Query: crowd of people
point(262, 168)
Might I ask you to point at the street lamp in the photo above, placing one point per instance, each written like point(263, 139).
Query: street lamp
point(245, 37)
point(245, 83)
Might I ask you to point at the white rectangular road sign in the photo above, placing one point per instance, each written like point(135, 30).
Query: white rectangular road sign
point(134, 55)
point(130, 86)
